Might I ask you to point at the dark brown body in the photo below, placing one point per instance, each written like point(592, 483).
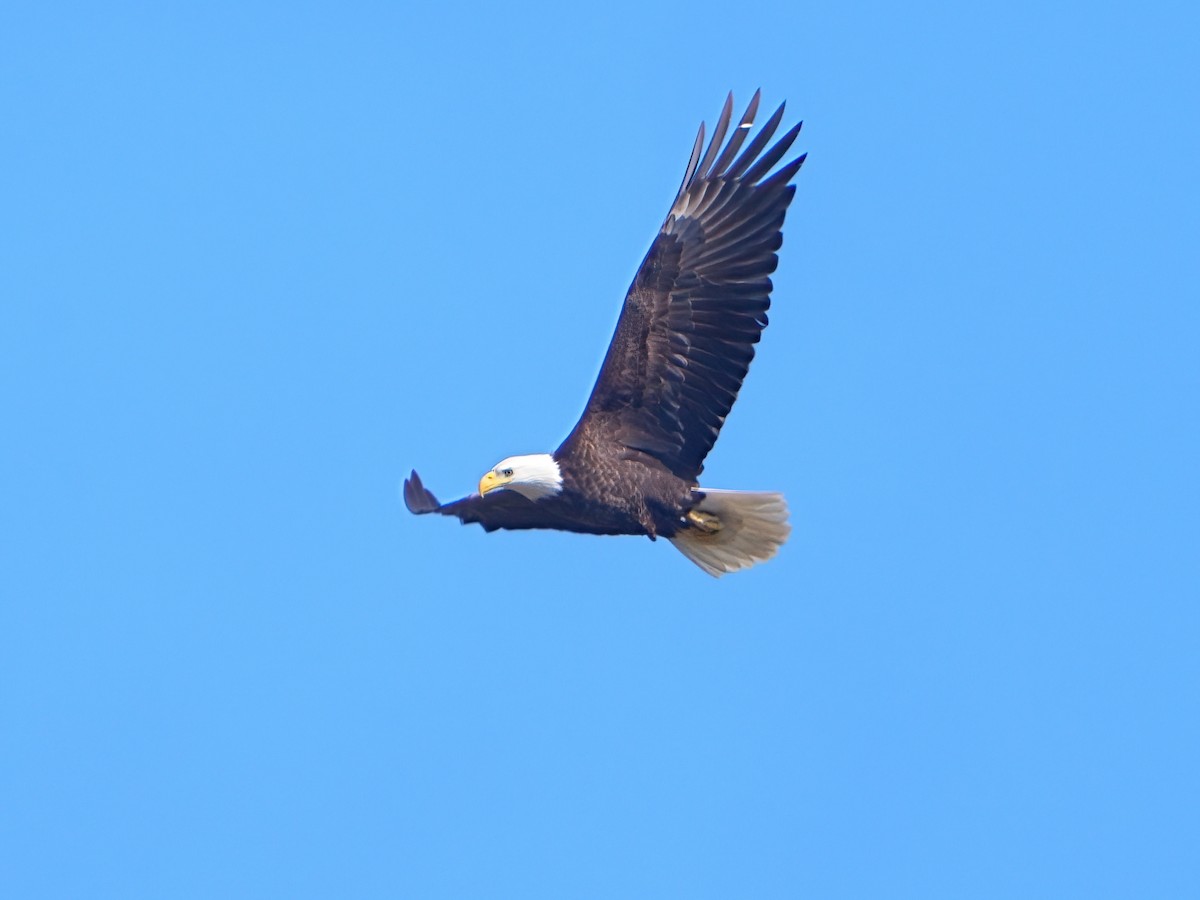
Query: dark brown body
point(632, 493)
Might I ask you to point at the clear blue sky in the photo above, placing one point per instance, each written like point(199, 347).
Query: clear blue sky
point(257, 261)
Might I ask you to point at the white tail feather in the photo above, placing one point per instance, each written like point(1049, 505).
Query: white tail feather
point(753, 526)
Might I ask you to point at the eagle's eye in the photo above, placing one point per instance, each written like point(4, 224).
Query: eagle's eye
point(507, 473)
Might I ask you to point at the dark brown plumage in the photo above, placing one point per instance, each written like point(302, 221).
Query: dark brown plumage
point(682, 347)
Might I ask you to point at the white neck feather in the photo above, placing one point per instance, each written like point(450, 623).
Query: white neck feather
point(534, 476)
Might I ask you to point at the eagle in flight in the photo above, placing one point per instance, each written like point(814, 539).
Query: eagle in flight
point(682, 347)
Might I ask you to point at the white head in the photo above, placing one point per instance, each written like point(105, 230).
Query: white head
point(534, 476)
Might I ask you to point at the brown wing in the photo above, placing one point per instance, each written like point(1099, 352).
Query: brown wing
point(698, 304)
point(499, 509)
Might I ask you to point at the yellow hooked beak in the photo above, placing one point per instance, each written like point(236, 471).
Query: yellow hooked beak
point(491, 481)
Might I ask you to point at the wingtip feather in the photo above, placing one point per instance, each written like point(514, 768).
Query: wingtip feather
point(417, 497)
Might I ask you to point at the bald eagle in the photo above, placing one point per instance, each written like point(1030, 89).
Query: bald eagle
point(683, 345)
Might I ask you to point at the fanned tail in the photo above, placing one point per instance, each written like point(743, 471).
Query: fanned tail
point(732, 530)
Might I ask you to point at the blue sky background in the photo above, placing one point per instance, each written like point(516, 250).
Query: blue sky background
point(259, 260)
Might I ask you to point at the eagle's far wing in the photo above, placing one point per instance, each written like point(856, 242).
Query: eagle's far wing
point(698, 304)
point(503, 509)
point(499, 509)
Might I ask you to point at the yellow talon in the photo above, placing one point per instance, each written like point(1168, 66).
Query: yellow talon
point(704, 522)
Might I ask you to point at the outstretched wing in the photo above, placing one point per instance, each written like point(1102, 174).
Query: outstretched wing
point(698, 304)
point(499, 509)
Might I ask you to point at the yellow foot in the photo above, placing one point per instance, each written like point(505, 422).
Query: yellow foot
point(703, 522)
